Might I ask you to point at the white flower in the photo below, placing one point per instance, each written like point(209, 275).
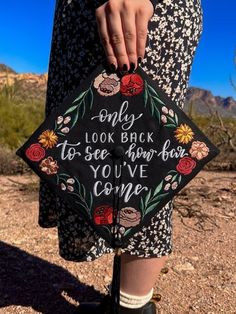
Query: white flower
point(59, 119)
point(70, 188)
point(164, 109)
point(167, 178)
point(171, 113)
point(67, 119)
point(65, 130)
point(167, 186)
point(163, 118)
point(122, 230)
point(174, 185)
point(63, 187)
point(70, 181)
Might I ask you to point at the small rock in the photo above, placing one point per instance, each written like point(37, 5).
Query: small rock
point(183, 267)
point(107, 279)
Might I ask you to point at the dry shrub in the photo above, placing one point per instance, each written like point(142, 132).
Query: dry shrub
point(10, 163)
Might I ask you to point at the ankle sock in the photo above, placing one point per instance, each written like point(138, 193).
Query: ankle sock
point(134, 301)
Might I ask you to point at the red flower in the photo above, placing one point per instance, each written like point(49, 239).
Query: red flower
point(186, 165)
point(131, 84)
point(35, 152)
point(103, 215)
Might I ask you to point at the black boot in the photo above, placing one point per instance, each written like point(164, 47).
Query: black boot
point(104, 307)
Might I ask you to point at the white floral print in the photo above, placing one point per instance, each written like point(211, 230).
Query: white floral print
point(173, 36)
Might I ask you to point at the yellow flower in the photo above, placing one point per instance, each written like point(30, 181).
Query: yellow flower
point(184, 134)
point(48, 139)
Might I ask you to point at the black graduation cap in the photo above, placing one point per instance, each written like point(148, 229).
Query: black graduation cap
point(117, 150)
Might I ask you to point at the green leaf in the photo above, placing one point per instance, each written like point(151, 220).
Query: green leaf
point(142, 205)
point(172, 120)
point(172, 171)
point(145, 96)
point(75, 119)
point(82, 205)
point(158, 100)
point(61, 133)
point(170, 125)
point(84, 191)
point(55, 127)
point(90, 98)
point(83, 109)
point(157, 114)
point(158, 188)
point(173, 179)
point(159, 197)
point(179, 179)
point(176, 119)
point(80, 96)
point(127, 231)
point(70, 109)
point(152, 90)
point(151, 207)
point(147, 198)
point(152, 106)
point(91, 200)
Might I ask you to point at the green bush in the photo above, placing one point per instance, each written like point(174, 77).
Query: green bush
point(18, 120)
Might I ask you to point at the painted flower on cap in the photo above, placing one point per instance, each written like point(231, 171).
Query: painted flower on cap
point(103, 215)
point(35, 152)
point(129, 217)
point(198, 150)
point(131, 84)
point(163, 118)
point(186, 165)
point(183, 133)
point(107, 85)
point(65, 130)
point(60, 119)
point(48, 139)
point(67, 119)
point(49, 166)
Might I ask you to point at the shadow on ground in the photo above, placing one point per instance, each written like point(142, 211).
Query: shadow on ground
point(29, 281)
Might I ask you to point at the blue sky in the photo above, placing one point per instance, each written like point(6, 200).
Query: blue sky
point(26, 30)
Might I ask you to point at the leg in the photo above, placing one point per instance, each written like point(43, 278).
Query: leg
point(138, 275)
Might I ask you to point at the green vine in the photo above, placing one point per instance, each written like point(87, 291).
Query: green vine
point(84, 199)
point(77, 110)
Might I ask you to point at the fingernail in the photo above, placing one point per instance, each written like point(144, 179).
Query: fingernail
point(132, 67)
point(125, 67)
point(139, 59)
point(112, 67)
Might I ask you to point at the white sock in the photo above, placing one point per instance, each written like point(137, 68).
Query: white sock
point(133, 301)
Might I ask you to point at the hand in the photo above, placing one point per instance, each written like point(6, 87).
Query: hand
point(122, 27)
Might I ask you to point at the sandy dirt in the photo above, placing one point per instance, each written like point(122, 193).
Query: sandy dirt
point(199, 276)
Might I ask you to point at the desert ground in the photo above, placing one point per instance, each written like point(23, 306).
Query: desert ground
point(199, 276)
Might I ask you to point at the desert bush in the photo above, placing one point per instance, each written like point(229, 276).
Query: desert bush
point(18, 120)
point(10, 163)
point(222, 132)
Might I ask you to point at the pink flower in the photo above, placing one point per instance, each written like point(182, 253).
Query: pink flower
point(198, 150)
point(163, 118)
point(107, 85)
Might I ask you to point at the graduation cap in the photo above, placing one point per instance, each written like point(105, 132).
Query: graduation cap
point(117, 150)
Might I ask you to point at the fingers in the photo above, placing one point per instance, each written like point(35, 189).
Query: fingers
point(129, 33)
point(122, 27)
point(104, 37)
point(141, 23)
point(116, 36)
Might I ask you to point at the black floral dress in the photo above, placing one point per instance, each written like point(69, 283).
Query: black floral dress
point(173, 35)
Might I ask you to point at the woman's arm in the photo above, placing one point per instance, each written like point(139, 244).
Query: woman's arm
point(122, 26)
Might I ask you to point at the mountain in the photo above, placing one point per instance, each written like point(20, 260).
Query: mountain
point(33, 86)
point(23, 85)
point(203, 102)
